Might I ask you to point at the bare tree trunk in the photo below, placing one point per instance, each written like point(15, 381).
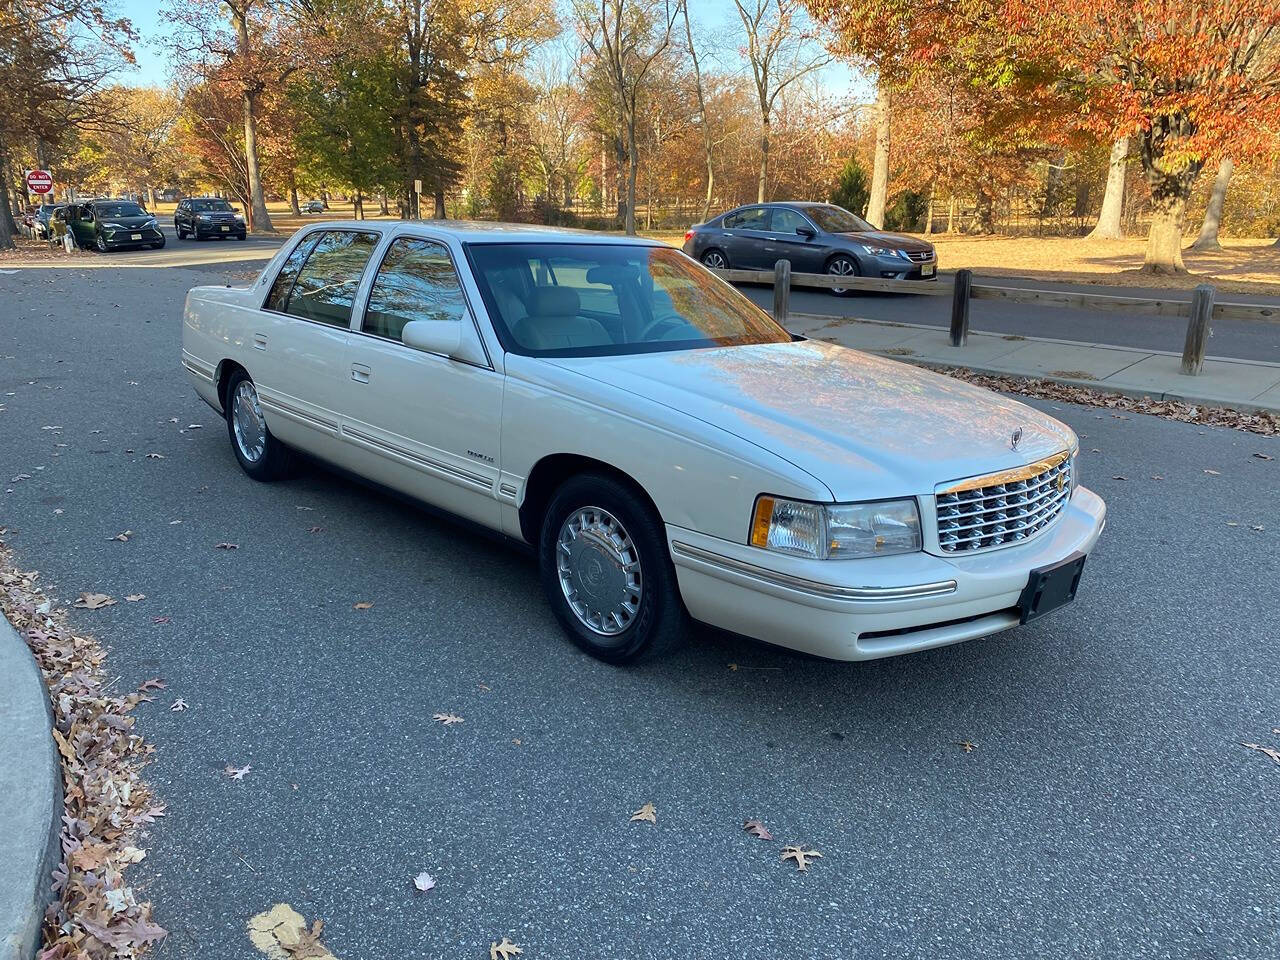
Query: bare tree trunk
point(951, 213)
point(1164, 241)
point(880, 168)
point(357, 206)
point(259, 219)
point(764, 159)
point(439, 213)
point(7, 227)
point(928, 217)
point(702, 114)
point(293, 200)
point(1208, 239)
point(632, 168)
point(1109, 226)
point(383, 209)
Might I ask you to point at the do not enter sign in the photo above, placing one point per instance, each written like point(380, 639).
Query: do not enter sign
point(39, 181)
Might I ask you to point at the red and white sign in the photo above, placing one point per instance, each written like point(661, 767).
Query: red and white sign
point(39, 181)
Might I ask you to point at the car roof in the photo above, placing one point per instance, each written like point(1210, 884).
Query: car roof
point(473, 231)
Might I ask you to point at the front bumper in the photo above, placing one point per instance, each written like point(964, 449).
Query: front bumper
point(219, 229)
point(865, 609)
point(145, 236)
point(895, 268)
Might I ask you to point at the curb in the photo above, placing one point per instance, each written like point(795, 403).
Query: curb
point(1097, 386)
point(30, 799)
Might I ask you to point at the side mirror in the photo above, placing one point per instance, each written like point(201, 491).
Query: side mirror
point(806, 232)
point(433, 336)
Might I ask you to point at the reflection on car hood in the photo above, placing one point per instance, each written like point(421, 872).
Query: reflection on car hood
point(128, 221)
point(895, 241)
point(867, 427)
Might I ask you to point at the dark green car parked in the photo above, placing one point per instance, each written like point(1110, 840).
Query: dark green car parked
point(113, 224)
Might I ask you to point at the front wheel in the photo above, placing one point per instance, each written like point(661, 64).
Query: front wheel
point(842, 267)
point(101, 243)
point(606, 571)
point(261, 455)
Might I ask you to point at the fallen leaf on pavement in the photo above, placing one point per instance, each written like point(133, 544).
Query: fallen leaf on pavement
point(136, 597)
point(1271, 752)
point(801, 856)
point(307, 944)
point(966, 746)
point(1214, 473)
point(648, 813)
point(161, 619)
point(448, 719)
point(424, 882)
point(93, 601)
point(155, 683)
point(1264, 456)
point(757, 829)
point(178, 705)
point(1258, 528)
point(316, 530)
point(237, 773)
point(227, 546)
point(362, 605)
point(504, 950)
point(1119, 478)
point(155, 456)
point(122, 537)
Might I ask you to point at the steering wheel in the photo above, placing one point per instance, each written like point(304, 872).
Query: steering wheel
point(672, 321)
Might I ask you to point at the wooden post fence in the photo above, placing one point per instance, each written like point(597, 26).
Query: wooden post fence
point(781, 291)
point(960, 308)
point(1198, 330)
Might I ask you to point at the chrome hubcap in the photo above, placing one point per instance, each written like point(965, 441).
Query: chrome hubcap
point(599, 568)
point(248, 423)
point(842, 268)
point(714, 260)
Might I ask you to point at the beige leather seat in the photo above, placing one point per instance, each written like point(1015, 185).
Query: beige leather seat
point(553, 322)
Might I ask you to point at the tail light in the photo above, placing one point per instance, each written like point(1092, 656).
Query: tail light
point(688, 235)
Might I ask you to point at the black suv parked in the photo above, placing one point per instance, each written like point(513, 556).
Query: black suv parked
point(205, 217)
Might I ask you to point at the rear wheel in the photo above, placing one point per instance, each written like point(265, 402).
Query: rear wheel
point(715, 259)
point(606, 572)
point(261, 455)
point(842, 266)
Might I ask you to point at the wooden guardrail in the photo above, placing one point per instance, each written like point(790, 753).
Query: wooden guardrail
point(1199, 312)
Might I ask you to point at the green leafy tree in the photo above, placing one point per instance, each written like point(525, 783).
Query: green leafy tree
point(851, 187)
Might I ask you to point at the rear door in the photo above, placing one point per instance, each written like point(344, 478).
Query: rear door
point(300, 338)
point(426, 424)
point(746, 238)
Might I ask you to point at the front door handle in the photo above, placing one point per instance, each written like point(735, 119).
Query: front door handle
point(259, 341)
point(360, 373)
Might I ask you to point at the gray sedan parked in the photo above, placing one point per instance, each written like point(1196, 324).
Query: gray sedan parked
point(815, 237)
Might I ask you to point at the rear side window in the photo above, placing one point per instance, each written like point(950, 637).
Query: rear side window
point(415, 282)
point(280, 290)
point(753, 218)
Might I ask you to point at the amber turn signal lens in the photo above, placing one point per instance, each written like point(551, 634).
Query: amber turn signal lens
point(760, 522)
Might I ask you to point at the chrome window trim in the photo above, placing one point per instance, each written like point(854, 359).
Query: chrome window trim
point(825, 591)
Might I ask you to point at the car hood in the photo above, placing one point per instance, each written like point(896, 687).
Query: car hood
point(129, 221)
point(895, 241)
point(866, 427)
point(217, 215)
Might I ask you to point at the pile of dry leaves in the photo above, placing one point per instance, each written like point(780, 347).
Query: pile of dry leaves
point(96, 915)
point(1267, 424)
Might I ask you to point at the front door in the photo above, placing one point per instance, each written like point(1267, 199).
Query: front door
point(80, 223)
point(427, 425)
point(804, 252)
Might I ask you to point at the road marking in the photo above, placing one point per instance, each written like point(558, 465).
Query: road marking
point(278, 931)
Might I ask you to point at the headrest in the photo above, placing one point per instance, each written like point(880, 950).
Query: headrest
point(554, 302)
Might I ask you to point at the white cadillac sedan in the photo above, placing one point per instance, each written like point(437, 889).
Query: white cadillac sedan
point(667, 449)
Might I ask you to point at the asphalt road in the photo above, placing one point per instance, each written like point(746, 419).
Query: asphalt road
point(1107, 810)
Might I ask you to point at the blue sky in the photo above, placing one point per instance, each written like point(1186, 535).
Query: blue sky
point(716, 24)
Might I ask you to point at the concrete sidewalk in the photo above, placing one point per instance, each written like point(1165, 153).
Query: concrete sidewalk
point(30, 798)
point(1246, 385)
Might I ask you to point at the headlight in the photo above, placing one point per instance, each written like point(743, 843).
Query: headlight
point(114, 226)
point(239, 219)
point(201, 216)
point(836, 531)
point(880, 251)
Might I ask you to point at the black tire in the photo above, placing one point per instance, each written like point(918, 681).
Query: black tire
point(660, 623)
point(715, 258)
point(100, 243)
point(276, 460)
point(158, 246)
point(832, 265)
point(241, 237)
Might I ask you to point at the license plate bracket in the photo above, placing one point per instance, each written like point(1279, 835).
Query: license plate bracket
point(135, 236)
point(1049, 588)
point(225, 229)
point(927, 270)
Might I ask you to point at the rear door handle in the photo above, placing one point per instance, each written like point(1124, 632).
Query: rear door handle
point(259, 341)
point(360, 373)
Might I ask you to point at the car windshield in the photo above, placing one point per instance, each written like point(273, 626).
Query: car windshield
point(208, 206)
point(837, 219)
point(119, 210)
point(594, 299)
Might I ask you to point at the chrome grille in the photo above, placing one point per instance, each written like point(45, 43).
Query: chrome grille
point(921, 256)
point(1002, 508)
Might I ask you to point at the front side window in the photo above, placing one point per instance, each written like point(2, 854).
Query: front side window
point(416, 281)
point(788, 221)
point(326, 286)
point(753, 218)
point(835, 219)
point(589, 299)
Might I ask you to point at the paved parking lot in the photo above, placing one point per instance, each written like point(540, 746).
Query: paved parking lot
point(1106, 808)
